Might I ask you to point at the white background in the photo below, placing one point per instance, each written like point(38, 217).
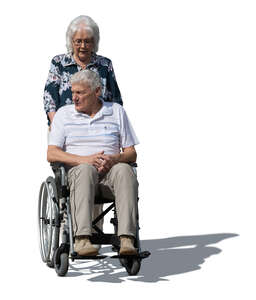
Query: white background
point(187, 72)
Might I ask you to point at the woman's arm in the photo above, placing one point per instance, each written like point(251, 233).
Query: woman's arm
point(112, 86)
point(51, 90)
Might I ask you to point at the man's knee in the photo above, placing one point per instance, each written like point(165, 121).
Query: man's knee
point(84, 171)
point(123, 170)
point(86, 168)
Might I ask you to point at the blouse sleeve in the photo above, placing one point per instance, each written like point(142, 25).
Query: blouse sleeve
point(112, 86)
point(51, 90)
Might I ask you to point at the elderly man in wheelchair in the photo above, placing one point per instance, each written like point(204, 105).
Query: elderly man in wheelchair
point(84, 150)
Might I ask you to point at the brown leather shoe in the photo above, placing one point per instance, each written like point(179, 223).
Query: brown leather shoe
point(84, 247)
point(127, 245)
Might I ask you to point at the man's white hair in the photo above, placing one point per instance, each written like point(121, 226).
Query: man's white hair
point(89, 25)
point(86, 76)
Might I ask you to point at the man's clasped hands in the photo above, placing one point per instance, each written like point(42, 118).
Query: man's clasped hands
point(102, 162)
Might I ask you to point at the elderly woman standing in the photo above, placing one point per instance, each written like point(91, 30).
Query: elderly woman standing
point(82, 39)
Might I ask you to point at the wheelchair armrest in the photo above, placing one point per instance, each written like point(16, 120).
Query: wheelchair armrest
point(59, 169)
point(56, 165)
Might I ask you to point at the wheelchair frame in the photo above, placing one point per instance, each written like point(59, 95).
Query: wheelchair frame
point(54, 209)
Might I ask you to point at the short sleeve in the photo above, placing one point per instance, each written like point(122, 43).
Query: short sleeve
point(57, 133)
point(112, 86)
point(51, 90)
point(128, 137)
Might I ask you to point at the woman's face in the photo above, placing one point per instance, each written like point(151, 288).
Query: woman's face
point(83, 44)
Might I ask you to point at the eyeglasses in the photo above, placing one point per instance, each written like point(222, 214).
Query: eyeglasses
point(79, 42)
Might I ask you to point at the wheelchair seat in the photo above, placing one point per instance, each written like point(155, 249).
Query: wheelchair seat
point(54, 210)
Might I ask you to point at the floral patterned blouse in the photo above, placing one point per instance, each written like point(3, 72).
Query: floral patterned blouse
point(57, 90)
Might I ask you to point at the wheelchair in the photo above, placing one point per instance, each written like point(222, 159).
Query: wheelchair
point(57, 246)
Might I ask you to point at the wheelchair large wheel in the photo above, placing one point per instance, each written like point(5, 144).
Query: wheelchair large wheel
point(48, 217)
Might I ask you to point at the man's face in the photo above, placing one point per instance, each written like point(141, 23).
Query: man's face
point(84, 97)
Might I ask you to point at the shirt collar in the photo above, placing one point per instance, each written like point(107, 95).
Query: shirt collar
point(106, 110)
point(69, 60)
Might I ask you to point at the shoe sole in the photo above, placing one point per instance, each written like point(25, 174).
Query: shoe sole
point(128, 252)
point(85, 252)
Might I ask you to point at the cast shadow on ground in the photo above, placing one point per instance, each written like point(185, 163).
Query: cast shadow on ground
point(169, 256)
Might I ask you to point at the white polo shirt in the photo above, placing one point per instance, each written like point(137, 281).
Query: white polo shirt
point(77, 133)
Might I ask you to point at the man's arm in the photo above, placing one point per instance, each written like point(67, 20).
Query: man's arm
point(51, 115)
point(56, 154)
point(128, 155)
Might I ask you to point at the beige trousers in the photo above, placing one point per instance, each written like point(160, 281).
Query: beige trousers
point(120, 182)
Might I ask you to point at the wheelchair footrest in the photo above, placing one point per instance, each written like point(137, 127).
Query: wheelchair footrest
point(76, 256)
point(141, 255)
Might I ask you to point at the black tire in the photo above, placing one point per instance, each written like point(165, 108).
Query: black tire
point(61, 262)
point(50, 263)
point(135, 267)
point(48, 217)
point(123, 261)
point(132, 265)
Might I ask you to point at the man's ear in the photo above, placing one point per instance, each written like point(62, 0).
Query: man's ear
point(98, 91)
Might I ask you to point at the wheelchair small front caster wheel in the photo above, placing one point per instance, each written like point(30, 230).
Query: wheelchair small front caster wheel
point(61, 262)
point(132, 265)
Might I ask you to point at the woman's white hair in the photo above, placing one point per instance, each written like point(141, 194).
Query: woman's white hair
point(87, 76)
point(89, 24)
